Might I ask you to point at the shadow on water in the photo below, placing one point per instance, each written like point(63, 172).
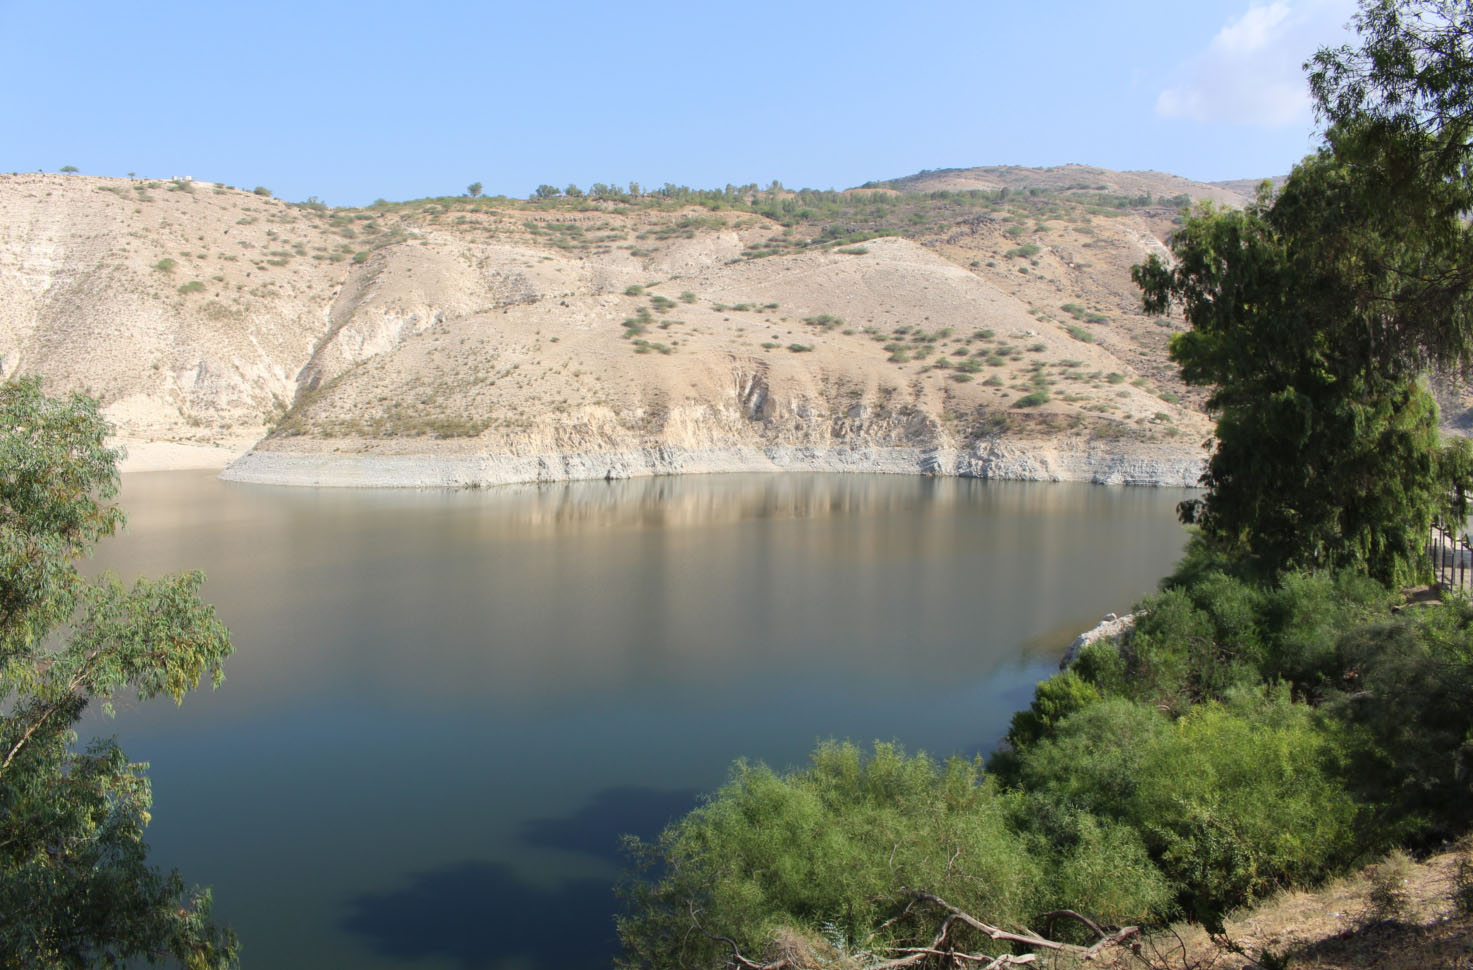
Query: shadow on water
point(483, 914)
point(598, 828)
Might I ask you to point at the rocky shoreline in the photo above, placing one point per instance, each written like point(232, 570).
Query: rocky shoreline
point(1048, 461)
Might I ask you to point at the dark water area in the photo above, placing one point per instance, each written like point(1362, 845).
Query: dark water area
point(446, 707)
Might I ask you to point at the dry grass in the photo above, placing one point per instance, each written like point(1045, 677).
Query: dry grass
point(1398, 915)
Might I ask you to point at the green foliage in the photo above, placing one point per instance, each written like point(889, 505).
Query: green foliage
point(165, 265)
point(1327, 448)
point(68, 169)
point(474, 190)
point(1053, 700)
point(193, 286)
point(840, 843)
point(1232, 801)
point(74, 880)
point(1025, 251)
point(1405, 687)
point(1314, 311)
point(261, 190)
point(1032, 400)
point(1079, 333)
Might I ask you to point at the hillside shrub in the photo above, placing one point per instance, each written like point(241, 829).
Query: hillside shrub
point(832, 844)
point(838, 845)
point(1231, 800)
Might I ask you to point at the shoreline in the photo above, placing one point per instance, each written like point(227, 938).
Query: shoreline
point(148, 455)
point(1046, 461)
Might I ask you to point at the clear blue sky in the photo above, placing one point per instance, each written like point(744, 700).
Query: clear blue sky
point(355, 101)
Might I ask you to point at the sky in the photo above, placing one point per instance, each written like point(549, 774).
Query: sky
point(351, 102)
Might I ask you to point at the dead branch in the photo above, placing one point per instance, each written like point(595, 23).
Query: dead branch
point(1050, 918)
point(736, 952)
point(1029, 939)
point(913, 956)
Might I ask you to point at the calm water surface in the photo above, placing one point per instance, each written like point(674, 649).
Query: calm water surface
point(445, 707)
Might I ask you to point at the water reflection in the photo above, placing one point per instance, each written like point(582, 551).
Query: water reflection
point(483, 915)
point(460, 699)
point(599, 827)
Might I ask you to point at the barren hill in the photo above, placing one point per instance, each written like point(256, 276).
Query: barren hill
point(1077, 182)
point(944, 327)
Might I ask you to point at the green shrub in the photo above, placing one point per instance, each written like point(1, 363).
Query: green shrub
point(1025, 251)
point(634, 290)
point(261, 190)
point(1032, 400)
point(800, 348)
point(1405, 691)
point(687, 297)
point(1232, 801)
point(835, 844)
point(1235, 803)
point(1053, 700)
point(193, 286)
point(1079, 333)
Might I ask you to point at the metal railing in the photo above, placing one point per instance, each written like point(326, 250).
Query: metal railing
point(1452, 558)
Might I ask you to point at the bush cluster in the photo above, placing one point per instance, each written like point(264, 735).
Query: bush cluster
point(1248, 736)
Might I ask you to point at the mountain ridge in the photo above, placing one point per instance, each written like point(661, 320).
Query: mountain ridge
point(923, 319)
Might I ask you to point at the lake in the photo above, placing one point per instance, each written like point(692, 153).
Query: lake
point(446, 706)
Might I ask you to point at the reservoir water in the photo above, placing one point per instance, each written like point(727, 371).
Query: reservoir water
point(446, 706)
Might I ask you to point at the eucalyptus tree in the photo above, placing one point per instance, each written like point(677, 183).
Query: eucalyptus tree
point(76, 889)
point(1316, 312)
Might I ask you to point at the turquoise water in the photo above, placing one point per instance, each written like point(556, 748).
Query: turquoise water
point(445, 707)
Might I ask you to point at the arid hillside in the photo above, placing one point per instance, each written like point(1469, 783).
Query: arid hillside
point(964, 317)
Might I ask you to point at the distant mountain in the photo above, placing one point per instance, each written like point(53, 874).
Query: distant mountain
point(1076, 181)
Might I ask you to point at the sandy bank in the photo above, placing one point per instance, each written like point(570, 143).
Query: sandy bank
point(1056, 461)
point(173, 456)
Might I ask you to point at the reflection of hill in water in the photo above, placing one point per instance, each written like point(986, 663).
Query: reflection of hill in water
point(698, 501)
point(678, 585)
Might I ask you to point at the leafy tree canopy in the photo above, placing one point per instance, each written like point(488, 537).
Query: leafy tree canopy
point(75, 885)
point(1316, 311)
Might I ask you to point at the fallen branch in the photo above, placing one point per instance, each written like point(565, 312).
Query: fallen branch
point(1029, 939)
point(938, 947)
